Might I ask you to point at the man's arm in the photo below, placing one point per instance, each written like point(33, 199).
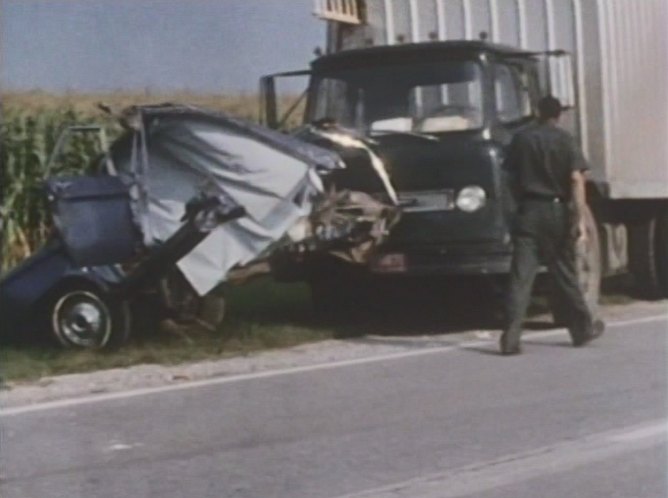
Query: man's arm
point(580, 200)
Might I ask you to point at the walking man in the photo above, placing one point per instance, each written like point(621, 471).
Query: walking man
point(547, 177)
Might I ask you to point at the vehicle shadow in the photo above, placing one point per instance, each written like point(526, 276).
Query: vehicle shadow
point(389, 308)
point(421, 307)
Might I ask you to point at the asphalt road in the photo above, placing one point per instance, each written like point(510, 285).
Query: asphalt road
point(555, 422)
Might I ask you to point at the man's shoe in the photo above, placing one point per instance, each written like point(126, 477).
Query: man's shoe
point(508, 349)
point(597, 329)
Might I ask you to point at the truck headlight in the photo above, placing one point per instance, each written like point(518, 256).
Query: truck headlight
point(471, 198)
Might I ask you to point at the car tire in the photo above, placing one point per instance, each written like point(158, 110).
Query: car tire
point(85, 317)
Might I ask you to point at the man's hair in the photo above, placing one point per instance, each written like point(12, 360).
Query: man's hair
point(549, 108)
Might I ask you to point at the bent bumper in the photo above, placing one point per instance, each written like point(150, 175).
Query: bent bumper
point(443, 261)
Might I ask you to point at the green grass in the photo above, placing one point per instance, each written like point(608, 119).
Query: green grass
point(263, 315)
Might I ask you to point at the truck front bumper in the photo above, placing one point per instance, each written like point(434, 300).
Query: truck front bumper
point(487, 260)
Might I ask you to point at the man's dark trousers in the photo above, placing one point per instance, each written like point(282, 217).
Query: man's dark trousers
point(543, 235)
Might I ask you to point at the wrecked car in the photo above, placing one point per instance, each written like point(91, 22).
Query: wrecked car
point(76, 285)
point(186, 199)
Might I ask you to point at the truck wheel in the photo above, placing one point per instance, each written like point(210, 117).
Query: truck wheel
point(648, 255)
point(589, 271)
point(662, 251)
point(87, 318)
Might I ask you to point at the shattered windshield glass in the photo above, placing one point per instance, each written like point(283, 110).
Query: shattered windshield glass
point(434, 97)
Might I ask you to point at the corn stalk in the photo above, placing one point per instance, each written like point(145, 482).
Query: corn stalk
point(26, 140)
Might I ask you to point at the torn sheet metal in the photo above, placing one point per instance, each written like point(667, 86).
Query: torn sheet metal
point(347, 139)
point(172, 152)
point(345, 224)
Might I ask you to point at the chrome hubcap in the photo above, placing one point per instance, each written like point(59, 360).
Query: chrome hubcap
point(82, 319)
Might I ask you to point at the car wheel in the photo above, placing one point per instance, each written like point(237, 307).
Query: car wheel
point(85, 318)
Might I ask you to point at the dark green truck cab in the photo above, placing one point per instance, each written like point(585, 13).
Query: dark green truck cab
point(439, 116)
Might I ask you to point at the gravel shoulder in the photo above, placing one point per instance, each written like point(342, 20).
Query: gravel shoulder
point(147, 376)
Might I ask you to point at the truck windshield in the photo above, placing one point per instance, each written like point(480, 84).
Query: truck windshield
point(435, 97)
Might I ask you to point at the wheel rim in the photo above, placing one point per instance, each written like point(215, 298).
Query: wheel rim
point(82, 319)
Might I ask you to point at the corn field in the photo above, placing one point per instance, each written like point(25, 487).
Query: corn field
point(26, 141)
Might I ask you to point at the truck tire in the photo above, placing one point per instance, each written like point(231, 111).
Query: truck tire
point(589, 271)
point(648, 255)
point(84, 317)
point(662, 251)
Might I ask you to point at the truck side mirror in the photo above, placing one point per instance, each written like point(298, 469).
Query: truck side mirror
point(268, 107)
point(272, 96)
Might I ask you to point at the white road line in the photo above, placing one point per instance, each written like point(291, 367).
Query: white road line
point(640, 433)
point(100, 398)
point(638, 321)
point(519, 467)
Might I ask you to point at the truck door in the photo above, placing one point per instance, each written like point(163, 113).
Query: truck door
point(283, 99)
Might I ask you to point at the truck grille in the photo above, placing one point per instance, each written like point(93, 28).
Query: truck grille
point(428, 200)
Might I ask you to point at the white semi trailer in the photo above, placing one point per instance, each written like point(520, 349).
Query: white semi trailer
point(606, 59)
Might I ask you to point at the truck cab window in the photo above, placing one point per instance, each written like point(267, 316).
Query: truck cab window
point(332, 101)
point(437, 97)
point(513, 101)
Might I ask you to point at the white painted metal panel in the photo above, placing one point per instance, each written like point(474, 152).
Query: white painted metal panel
point(403, 21)
point(454, 18)
point(480, 19)
point(440, 20)
point(636, 97)
point(467, 18)
point(536, 24)
point(494, 22)
point(427, 19)
point(509, 19)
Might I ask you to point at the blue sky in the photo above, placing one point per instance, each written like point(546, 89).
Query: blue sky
point(162, 45)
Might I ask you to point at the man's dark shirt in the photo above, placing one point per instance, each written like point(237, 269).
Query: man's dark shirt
point(540, 162)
